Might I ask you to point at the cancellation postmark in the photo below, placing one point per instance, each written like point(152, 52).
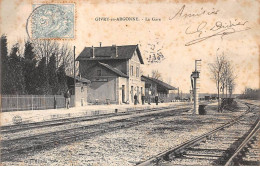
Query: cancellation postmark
point(53, 21)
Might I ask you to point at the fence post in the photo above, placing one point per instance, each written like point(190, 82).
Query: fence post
point(32, 102)
point(55, 102)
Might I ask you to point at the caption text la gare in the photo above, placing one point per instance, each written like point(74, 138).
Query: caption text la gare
point(127, 19)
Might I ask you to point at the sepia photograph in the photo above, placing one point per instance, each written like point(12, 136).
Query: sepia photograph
point(130, 83)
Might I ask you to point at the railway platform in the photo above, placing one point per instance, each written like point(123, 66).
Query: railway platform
point(32, 116)
point(122, 138)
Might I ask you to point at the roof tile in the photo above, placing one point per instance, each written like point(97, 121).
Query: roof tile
point(115, 70)
point(107, 52)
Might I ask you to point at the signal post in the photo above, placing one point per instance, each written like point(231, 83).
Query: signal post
point(194, 83)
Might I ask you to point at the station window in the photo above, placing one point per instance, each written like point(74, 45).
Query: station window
point(82, 89)
point(132, 70)
point(137, 72)
point(98, 72)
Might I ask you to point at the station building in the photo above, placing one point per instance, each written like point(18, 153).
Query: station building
point(114, 72)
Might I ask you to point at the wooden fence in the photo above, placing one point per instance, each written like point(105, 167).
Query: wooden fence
point(33, 102)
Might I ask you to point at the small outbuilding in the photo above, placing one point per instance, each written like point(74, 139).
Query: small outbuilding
point(155, 87)
point(80, 91)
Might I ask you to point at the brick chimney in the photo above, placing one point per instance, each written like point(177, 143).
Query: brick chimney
point(114, 51)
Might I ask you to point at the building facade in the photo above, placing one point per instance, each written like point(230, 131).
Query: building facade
point(114, 72)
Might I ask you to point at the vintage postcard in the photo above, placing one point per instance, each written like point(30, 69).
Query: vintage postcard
point(129, 83)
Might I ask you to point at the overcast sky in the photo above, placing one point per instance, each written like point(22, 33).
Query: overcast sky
point(168, 35)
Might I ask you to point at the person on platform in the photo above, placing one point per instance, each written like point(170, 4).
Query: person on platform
point(135, 99)
point(143, 98)
point(156, 99)
point(67, 99)
point(149, 97)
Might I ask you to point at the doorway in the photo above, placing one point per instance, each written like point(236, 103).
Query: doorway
point(123, 93)
point(132, 94)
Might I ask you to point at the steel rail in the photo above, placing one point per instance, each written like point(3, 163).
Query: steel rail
point(81, 136)
point(244, 143)
point(35, 125)
point(176, 149)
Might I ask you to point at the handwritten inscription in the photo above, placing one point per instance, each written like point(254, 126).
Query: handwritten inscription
point(218, 29)
point(182, 14)
point(218, 25)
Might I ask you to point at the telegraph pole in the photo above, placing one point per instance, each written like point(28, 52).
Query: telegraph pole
point(178, 93)
point(74, 71)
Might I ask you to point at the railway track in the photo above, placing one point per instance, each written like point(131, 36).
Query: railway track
point(59, 122)
point(10, 149)
point(220, 146)
point(248, 152)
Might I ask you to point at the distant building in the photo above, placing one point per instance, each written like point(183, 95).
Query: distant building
point(207, 98)
point(154, 86)
point(114, 72)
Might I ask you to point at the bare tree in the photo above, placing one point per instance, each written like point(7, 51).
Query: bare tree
point(229, 79)
point(216, 69)
point(65, 56)
point(223, 75)
point(231, 84)
point(63, 53)
point(156, 75)
point(45, 48)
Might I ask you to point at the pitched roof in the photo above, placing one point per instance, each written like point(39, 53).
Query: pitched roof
point(79, 79)
point(115, 70)
point(106, 53)
point(159, 82)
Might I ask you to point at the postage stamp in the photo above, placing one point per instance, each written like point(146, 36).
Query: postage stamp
point(53, 21)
